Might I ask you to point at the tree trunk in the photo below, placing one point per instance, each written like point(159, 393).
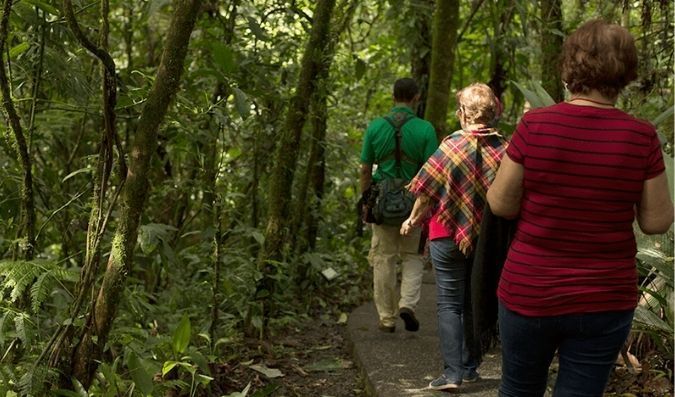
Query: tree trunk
point(310, 190)
point(285, 160)
point(420, 62)
point(498, 71)
point(444, 37)
point(135, 190)
point(551, 46)
point(27, 246)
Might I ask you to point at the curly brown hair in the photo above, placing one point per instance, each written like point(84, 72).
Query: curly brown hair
point(599, 55)
point(478, 103)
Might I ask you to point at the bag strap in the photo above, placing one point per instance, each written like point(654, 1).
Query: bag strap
point(398, 121)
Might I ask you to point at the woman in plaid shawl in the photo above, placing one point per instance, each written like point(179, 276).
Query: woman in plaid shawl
point(453, 182)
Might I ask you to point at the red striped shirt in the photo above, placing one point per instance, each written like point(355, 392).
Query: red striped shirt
point(574, 248)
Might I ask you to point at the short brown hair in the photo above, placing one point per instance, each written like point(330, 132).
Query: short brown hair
point(478, 103)
point(599, 55)
point(405, 89)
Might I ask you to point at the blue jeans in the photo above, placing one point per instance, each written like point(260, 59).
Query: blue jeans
point(587, 345)
point(450, 267)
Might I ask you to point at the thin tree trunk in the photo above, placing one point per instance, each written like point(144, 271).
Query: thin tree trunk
point(318, 118)
point(551, 45)
point(317, 172)
point(287, 151)
point(421, 51)
point(135, 190)
point(498, 71)
point(27, 246)
point(442, 57)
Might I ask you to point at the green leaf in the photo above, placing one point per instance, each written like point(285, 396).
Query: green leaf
point(43, 6)
point(242, 393)
point(241, 103)
point(360, 68)
point(538, 98)
point(544, 96)
point(223, 57)
point(72, 174)
point(168, 366)
point(81, 392)
point(140, 375)
point(181, 337)
point(665, 115)
point(646, 319)
point(201, 361)
point(255, 28)
point(18, 50)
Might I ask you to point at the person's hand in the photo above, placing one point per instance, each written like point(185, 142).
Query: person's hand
point(406, 227)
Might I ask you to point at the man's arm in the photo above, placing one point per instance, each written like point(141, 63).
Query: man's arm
point(366, 176)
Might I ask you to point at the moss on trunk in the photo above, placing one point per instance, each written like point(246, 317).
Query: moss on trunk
point(444, 36)
point(136, 189)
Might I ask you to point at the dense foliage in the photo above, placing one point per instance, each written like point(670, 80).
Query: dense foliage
point(196, 288)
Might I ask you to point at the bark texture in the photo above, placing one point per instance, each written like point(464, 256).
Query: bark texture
point(286, 156)
point(420, 57)
point(27, 247)
point(551, 46)
point(444, 40)
point(136, 189)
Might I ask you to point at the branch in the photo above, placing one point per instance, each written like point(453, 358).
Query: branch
point(476, 5)
point(100, 53)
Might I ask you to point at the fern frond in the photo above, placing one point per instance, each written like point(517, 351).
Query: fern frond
point(40, 291)
point(32, 382)
point(20, 326)
point(39, 275)
point(7, 315)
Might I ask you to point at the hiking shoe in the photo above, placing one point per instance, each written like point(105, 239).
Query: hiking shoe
point(386, 328)
point(472, 377)
point(442, 383)
point(408, 317)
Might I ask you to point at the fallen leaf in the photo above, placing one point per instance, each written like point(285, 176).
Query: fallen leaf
point(265, 370)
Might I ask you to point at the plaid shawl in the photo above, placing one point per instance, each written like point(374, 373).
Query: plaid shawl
point(457, 177)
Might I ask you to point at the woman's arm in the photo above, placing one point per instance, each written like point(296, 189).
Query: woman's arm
point(655, 209)
point(419, 210)
point(506, 190)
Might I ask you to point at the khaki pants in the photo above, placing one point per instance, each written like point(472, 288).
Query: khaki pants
point(386, 248)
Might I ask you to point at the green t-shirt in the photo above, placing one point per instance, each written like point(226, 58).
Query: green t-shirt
point(418, 142)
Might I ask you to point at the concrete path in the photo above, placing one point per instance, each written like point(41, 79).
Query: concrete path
point(403, 363)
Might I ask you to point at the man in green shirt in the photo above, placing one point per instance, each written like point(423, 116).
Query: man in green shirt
point(418, 142)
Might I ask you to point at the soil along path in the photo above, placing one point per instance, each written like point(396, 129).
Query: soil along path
point(403, 363)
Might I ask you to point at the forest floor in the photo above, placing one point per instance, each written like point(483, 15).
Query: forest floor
point(313, 359)
point(310, 359)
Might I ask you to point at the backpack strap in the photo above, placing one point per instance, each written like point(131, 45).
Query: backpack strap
point(397, 121)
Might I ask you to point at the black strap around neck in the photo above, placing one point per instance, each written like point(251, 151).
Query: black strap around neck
point(397, 120)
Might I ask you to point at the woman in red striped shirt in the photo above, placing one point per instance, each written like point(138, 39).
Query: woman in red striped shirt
point(576, 175)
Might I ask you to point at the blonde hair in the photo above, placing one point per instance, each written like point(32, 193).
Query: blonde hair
point(478, 103)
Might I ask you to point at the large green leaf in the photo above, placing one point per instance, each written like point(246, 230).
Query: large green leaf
point(241, 103)
point(223, 57)
point(139, 374)
point(646, 319)
point(181, 336)
point(535, 94)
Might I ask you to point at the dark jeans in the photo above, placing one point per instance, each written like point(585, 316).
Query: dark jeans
point(587, 345)
point(450, 268)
